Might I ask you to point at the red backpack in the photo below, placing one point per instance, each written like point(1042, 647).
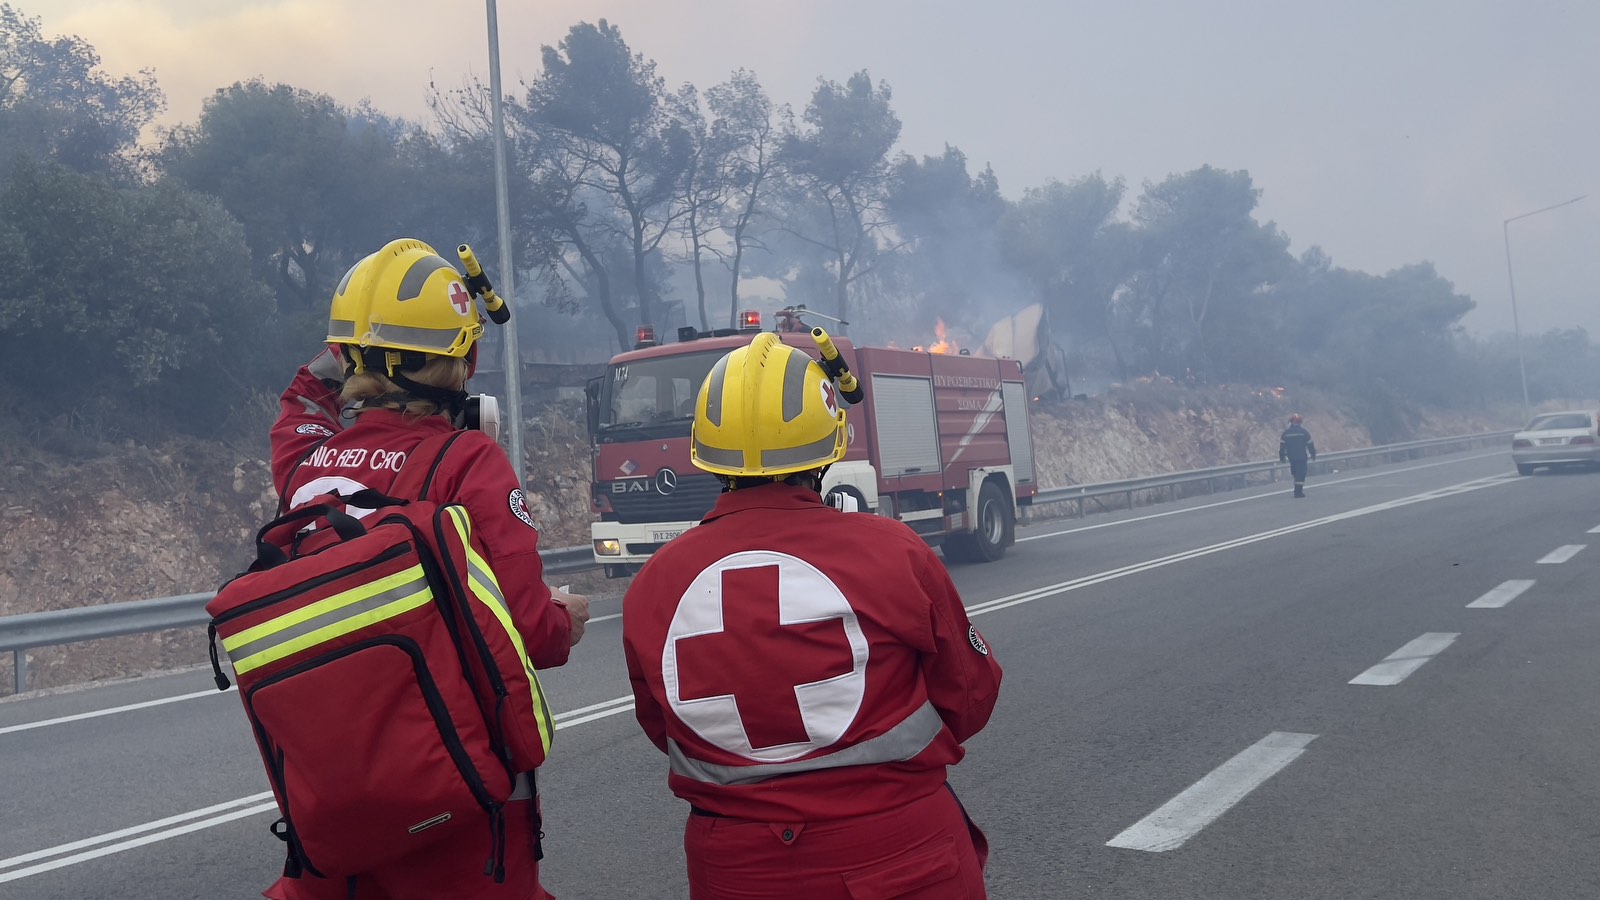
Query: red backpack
point(389, 691)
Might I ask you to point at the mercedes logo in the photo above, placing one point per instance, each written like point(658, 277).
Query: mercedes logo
point(666, 482)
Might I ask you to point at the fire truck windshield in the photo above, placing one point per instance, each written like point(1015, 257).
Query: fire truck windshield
point(656, 395)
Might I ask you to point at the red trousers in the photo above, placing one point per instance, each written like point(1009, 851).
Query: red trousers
point(927, 850)
point(452, 868)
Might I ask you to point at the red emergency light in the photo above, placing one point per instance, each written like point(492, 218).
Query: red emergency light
point(645, 336)
point(750, 319)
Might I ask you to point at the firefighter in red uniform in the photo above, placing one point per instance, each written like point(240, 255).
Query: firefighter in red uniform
point(810, 673)
point(402, 340)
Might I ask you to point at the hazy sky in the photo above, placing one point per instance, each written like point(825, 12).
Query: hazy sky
point(1385, 132)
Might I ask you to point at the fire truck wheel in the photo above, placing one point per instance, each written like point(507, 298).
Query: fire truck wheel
point(996, 529)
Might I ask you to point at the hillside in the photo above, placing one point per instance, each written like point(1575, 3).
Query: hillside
point(82, 525)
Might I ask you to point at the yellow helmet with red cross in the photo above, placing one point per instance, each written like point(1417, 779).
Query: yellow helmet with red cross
point(402, 301)
point(767, 409)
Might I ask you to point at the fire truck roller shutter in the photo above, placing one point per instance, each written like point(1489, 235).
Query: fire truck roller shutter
point(908, 434)
point(1015, 397)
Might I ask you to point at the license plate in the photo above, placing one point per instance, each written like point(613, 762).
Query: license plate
point(661, 537)
point(1552, 440)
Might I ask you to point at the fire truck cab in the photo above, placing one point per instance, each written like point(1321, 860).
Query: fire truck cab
point(941, 442)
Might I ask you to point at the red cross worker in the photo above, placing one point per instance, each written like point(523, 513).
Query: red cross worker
point(810, 674)
point(393, 380)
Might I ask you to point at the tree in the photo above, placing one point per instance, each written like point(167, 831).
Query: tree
point(701, 193)
point(140, 312)
point(605, 126)
point(316, 185)
point(1200, 296)
point(745, 134)
point(949, 223)
point(55, 106)
point(1067, 241)
point(839, 166)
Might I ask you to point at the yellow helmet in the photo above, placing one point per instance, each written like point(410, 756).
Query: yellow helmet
point(766, 409)
point(405, 299)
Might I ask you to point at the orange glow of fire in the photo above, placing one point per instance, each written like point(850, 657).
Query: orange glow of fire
point(944, 344)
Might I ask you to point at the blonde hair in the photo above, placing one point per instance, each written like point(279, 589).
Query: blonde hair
point(372, 390)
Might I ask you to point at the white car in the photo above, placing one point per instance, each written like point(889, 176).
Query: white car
point(1557, 439)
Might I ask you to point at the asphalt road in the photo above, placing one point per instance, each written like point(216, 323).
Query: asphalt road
point(1179, 717)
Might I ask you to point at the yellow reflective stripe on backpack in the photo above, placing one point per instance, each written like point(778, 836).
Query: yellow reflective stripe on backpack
point(486, 588)
point(328, 618)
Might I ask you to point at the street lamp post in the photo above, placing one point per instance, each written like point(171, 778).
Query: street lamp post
point(1516, 328)
point(508, 275)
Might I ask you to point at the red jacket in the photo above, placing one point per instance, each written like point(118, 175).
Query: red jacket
point(312, 454)
point(783, 637)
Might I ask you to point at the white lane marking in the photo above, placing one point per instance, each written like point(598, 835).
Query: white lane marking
point(1594, 530)
point(94, 714)
point(594, 711)
point(1051, 590)
point(1401, 663)
point(605, 618)
point(1182, 817)
point(1561, 554)
point(625, 704)
point(567, 719)
point(135, 842)
point(1502, 595)
point(1189, 509)
point(136, 829)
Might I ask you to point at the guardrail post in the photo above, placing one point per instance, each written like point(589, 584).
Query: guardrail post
point(20, 672)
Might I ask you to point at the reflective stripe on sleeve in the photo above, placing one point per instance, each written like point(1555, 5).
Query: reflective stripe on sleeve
point(902, 742)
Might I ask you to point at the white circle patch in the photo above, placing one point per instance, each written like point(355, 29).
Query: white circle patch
point(976, 640)
point(789, 644)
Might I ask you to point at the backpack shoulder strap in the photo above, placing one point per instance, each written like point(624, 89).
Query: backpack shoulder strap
point(416, 476)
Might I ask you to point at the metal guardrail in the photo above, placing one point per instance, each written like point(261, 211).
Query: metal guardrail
point(19, 634)
point(1127, 487)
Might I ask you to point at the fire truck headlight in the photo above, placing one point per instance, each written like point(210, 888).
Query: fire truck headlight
point(608, 547)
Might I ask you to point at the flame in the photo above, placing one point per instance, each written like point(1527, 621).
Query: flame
point(944, 344)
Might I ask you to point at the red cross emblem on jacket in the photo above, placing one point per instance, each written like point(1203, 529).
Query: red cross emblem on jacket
point(765, 658)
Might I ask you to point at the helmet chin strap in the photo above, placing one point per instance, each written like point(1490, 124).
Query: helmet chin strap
point(810, 479)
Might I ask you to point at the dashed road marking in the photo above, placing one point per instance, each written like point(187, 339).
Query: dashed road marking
point(1401, 663)
point(1502, 595)
point(1562, 554)
point(1182, 817)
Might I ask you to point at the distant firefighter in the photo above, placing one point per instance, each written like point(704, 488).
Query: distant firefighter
point(1296, 448)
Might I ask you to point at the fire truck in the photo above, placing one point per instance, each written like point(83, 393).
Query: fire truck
point(940, 442)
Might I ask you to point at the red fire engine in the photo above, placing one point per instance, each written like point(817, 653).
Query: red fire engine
point(940, 442)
